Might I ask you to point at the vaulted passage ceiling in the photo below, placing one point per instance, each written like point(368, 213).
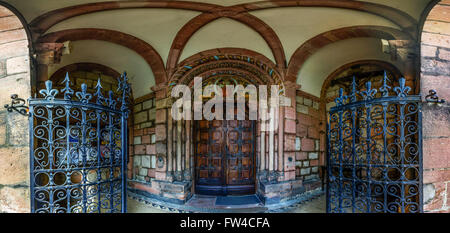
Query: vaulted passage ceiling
point(292, 34)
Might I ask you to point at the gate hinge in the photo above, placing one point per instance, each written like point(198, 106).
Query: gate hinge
point(18, 105)
point(432, 97)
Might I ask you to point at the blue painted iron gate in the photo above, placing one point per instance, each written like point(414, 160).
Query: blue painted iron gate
point(374, 159)
point(78, 149)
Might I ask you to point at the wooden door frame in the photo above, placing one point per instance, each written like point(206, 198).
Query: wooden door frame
point(221, 188)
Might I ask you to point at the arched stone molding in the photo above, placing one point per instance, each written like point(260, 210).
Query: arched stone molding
point(82, 66)
point(177, 158)
point(47, 20)
point(314, 44)
point(208, 60)
point(146, 51)
point(189, 29)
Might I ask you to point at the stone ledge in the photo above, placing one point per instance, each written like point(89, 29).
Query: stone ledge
point(286, 191)
point(176, 192)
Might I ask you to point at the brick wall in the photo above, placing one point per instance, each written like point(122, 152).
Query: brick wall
point(435, 74)
point(14, 149)
point(309, 141)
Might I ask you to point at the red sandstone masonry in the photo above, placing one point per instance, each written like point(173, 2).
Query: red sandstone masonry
point(435, 68)
point(307, 137)
point(14, 74)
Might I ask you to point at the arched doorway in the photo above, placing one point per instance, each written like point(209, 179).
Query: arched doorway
point(232, 157)
point(224, 151)
point(374, 157)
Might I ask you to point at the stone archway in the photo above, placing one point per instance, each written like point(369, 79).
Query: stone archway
point(233, 63)
point(356, 68)
point(174, 148)
point(15, 78)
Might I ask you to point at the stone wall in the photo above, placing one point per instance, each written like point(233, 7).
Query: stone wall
point(435, 74)
point(89, 78)
point(310, 139)
point(14, 148)
point(144, 138)
point(142, 149)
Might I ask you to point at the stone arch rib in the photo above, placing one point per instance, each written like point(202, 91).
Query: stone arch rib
point(314, 44)
point(191, 27)
point(84, 66)
point(145, 50)
point(260, 61)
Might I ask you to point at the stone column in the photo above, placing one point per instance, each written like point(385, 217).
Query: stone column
point(168, 184)
point(280, 156)
point(46, 54)
point(407, 52)
point(187, 167)
point(179, 152)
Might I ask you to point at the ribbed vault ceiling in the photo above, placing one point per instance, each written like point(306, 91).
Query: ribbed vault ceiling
point(160, 27)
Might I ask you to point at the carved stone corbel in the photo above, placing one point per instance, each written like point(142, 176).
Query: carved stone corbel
point(49, 53)
point(400, 49)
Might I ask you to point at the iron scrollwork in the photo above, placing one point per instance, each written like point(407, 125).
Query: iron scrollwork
point(18, 105)
point(78, 149)
point(374, 159)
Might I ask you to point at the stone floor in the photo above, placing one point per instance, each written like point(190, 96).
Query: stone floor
point(316, 205)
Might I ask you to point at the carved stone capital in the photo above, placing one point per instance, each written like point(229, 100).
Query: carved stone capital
point(49, 53)
point(401, 49)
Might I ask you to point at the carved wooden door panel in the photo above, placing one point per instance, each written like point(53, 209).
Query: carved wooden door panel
point(209, 150)
point(224, 157)
point(239, 157)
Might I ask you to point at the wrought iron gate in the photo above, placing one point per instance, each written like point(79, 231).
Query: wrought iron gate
point(78, 149)
point(374, 159)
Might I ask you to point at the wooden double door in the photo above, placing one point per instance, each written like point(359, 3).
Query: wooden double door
point(225, 157)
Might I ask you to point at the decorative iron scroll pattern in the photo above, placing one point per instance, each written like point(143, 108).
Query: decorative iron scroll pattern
point(78, 149)
point(374, 159)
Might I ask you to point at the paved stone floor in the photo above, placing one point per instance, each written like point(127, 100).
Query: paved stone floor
point(316, 205)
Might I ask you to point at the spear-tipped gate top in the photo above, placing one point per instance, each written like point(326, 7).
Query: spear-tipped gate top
point(66, 79)
point(98, 93)
point(354, 92)
point(385, 87)
point(123, 85)
point(67, 90)
point(99, 85)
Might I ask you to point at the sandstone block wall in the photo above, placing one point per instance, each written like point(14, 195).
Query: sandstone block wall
point(14, 147)
point(435, 74)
